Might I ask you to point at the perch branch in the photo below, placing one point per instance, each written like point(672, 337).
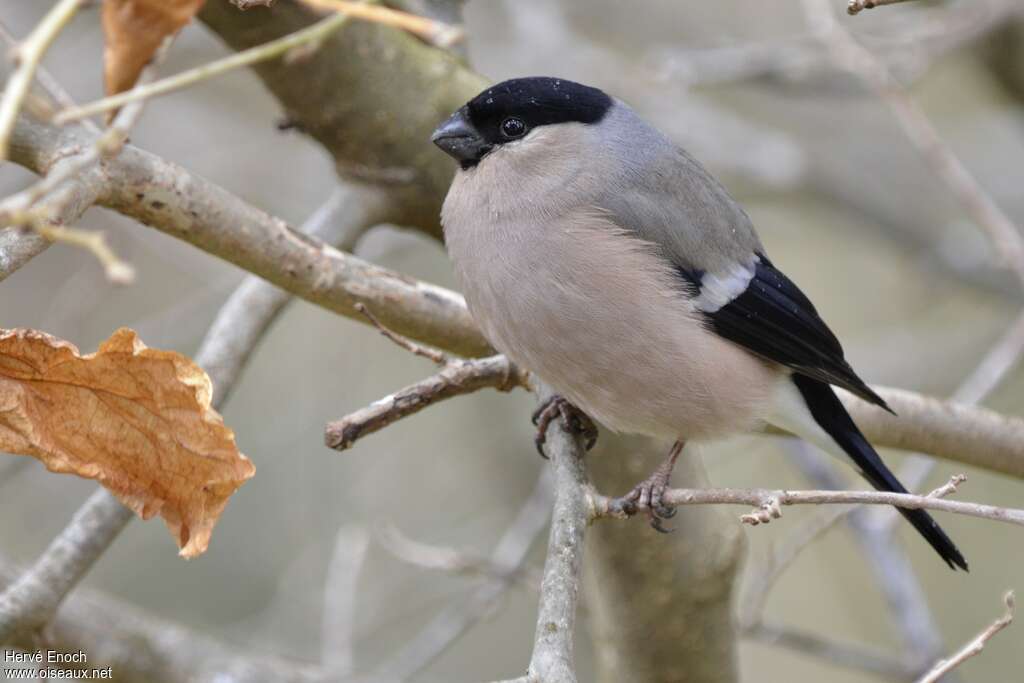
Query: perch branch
point(552, 659)
point(767, 503)
point(972, 648)
point(458, 377)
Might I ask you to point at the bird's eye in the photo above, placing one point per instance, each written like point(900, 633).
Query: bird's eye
point(513, 127)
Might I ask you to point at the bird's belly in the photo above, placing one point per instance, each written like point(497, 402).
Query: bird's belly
point(609, 329)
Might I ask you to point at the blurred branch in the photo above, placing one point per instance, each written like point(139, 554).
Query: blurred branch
point(504, 568)
point(946, 429)
point(781, 556)
point(445, 559)
point(143, 648)
point(848, 53)
point(974, 647)
point(28, 604)
point(341, 588)
point(855, 6)
point(856, 657)
point(909, 47)
point(27, 56)
point(882, 551)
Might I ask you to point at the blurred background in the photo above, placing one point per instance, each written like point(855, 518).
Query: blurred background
point(844, 204)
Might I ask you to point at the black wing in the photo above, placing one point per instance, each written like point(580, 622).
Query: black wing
point(774, 319)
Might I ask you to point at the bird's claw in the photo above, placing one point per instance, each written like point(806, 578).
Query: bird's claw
point(576, 421)
point(647, 496)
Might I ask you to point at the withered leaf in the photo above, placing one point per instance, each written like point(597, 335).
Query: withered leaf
point(138, 420)
point(133, 30)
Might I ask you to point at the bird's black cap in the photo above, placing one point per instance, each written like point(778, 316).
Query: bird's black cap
point(509, 110)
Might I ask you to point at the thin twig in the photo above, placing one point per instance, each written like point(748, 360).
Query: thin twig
point(439, 357)
point(856, 6)
point(117, 271)
point(767, 503)
point(436, 32)
point(275, 48)
point(43, 206)
point(457, 378)
point(974, 647)
point(446, 559)
point(27, 57)
point(50, 85)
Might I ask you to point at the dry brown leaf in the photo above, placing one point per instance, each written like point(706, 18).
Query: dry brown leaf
point(136, 419)
point(134, 29)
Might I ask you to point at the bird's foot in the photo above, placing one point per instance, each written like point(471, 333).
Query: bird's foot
point(647, 496)
point(574, 419)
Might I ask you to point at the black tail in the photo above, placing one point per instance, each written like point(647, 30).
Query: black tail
point(831, 416)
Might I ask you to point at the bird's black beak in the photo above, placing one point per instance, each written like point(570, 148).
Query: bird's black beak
point(460, 140)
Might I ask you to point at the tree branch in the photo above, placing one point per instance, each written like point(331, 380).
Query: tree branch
point(143, 648)
point(457, 378)
point(972, 648)
point(552, 660)
point(29, 603)
point(767, 503)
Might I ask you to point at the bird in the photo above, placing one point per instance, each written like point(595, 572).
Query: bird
point(603, 258)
